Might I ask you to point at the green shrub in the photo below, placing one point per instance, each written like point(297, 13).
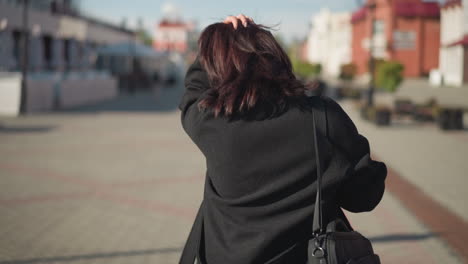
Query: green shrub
point(305, 69)
point(389, 75)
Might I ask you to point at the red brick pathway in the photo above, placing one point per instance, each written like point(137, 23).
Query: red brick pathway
point(450, 227)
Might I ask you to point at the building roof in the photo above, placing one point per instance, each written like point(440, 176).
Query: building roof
point(415, 9)
point(405, 9)
point(359, 15)
point(452, 3)
point(172, 24)
point(96, 21)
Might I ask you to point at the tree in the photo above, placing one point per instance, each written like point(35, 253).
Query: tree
point(306, 70)
point(142, 34)
point(389, 75)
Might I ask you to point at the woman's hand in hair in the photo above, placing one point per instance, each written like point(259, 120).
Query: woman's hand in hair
point(235, 19)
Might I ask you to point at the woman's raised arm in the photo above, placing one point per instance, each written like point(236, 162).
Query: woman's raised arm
point(196, 83)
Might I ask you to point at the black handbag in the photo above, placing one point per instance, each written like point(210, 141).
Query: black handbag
point(337, 244)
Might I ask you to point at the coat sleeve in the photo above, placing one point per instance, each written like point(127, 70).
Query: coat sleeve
point(196, 84)
point(364, 185)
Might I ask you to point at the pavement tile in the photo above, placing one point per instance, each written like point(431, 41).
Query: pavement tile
point(106, 185)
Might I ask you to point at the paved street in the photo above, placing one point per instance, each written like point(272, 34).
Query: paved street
point(120, 182)
point(433, 159)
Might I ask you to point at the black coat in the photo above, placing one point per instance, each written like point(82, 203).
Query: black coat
point(261, 177)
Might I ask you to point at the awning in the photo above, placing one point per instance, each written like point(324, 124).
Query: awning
point(463, 41)
point(129, 49)
point(415, 9)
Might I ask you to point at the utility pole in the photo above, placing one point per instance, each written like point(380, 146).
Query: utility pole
point(25, 58)
point(133, 78)
point(371, 6)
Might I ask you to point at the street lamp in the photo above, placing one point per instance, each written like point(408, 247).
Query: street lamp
point(371, 6)
point(3, 27)
point(25, 58)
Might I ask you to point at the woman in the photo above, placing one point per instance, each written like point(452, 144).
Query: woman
point(251, 119)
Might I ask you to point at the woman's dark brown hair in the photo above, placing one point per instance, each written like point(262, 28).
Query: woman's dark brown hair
point(245, 66)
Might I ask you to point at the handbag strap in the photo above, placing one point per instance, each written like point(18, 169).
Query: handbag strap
point(317, 226)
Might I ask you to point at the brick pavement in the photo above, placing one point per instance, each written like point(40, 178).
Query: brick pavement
point(432, 159)
point(429, 168)
point(115, 183)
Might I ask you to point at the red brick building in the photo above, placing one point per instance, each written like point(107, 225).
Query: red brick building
point(407, 31)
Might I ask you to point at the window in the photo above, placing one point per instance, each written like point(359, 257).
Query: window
point(66, 53)
point(47, 51)
point(17, 47)
point(379, 27)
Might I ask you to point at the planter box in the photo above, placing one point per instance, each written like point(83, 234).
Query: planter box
point(39, 97)
point(77, 90)
point(450, 119)
point(10, 93)
point(404, 107)
point(364, 113)
point(383, 117)
point(379, 116)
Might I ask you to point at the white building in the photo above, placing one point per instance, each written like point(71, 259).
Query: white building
point(329, 41)
point(172, 33)
point(171, 36)
point(453, 55)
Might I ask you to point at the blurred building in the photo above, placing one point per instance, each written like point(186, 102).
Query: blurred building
point(60, 38)
point(329, 41)
point(407, 31)
point(171, 36)
point(453, 65)
point(173, 33)
point(61, 56)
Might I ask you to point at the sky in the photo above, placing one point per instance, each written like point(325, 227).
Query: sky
point(291, 18)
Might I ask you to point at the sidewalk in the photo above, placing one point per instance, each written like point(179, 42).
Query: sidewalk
point(398, 237)
point(432, 160)
point(120, 182)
